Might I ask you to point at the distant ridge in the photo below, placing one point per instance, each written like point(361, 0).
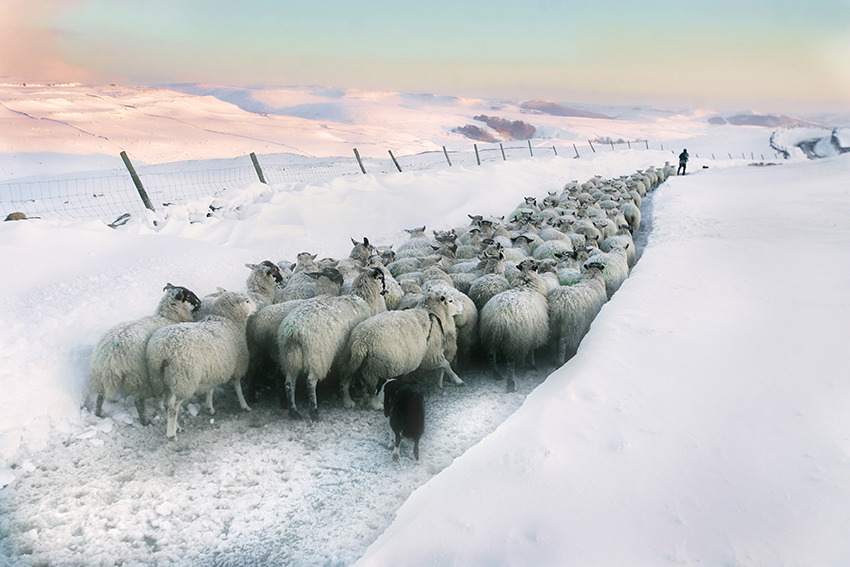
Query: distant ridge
point(763, 120)
point(555, 109)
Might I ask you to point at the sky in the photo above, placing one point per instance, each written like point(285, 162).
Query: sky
point(776, 54)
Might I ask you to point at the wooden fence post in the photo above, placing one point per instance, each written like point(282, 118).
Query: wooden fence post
point(137, 182)
point(647, 144)
point(591, 146)
point(501, 147)
point(554, 149)
point(530, 151)
point(398, 167)
point(477, 157)
point(359, 161)
point(446, 152)
point(576, 149)
point(629, 143)
point(257, 168)
point(612, 145)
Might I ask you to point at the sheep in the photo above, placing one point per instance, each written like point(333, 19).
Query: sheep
point(553, 249)
point(466, 322)
point(515, 322)
point(261, 286)
point(361, 251)
point(623, 239)
point(312, 337)
point(307, 284)
point(404, 407)
point(263, 325)
point(616, 266)
point(189, 358)
point(418, 244)
point(491, 283)
point(395, 343)
point(572, 309)
point(118, 361)
point(394, 292)
point(632, 214)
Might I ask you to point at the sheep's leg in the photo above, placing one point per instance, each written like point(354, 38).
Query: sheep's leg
point(416, 449)
point(140, 407)
point(173, 407)
point(511, 377)
point(237, 385)
point(345, 391)
point(446, 368)
point(496, 374)
point(210, 400)
point(98, 409)
point(289, 386)
point(397, 446)
point(312, 380)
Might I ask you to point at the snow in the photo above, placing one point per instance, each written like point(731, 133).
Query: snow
point(704, 419)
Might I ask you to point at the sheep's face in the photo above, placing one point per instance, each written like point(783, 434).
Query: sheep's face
point(179, 293)
point(453, 307)
point(271, 270)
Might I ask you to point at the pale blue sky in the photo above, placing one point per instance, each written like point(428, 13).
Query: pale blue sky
point(720, 53)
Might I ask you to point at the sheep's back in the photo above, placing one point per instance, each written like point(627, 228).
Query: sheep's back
point(391, 343)
point(190, 357)
point(313, 335)
point(118, 359)
point(515, 322)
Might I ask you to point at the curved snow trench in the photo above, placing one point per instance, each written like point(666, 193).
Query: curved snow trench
point(242, 488)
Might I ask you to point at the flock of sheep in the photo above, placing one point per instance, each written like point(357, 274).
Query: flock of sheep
point(500, 287)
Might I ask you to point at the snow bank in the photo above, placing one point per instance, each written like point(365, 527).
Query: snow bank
point(704, 419)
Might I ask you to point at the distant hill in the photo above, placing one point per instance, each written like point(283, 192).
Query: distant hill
point(763, 120)
point(555, 109)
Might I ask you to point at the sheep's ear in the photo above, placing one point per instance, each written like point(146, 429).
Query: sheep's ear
point(354, 242)
point(167, 287)
point(250, 266)
point(365, 241)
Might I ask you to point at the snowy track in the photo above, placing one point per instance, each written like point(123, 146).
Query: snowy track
point(247, 489)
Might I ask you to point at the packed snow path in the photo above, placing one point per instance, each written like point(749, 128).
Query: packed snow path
point(238, 488)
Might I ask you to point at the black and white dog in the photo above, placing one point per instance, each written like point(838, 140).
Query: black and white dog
point(405, 408)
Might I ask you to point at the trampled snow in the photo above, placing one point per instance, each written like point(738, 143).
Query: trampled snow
point(704, 419)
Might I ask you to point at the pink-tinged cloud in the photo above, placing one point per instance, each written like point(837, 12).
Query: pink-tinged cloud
point(29, 42)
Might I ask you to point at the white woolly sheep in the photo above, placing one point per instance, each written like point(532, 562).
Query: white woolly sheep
point(118, 361)
point(394, 292)
point(632, 214)
point(616, 266)
point(312, 337)
point(466, 321)
point(261, 287)
point(395, 343)
point(572, 309)
point(515, 322)
point(190, 358)
point(263, 325)
point(307, 284)
point(553, 249)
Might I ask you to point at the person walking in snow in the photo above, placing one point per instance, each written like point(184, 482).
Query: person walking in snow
point(683, 162)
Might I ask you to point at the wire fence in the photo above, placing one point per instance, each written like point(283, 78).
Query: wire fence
point(112, 195)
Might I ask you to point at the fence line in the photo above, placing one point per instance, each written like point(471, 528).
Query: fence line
point(112, 195)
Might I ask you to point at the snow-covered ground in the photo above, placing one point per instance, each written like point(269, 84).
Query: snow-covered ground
point(704, 419)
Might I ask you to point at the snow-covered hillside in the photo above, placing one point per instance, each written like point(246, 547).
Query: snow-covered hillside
point(70, 127)
point(704, 419)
